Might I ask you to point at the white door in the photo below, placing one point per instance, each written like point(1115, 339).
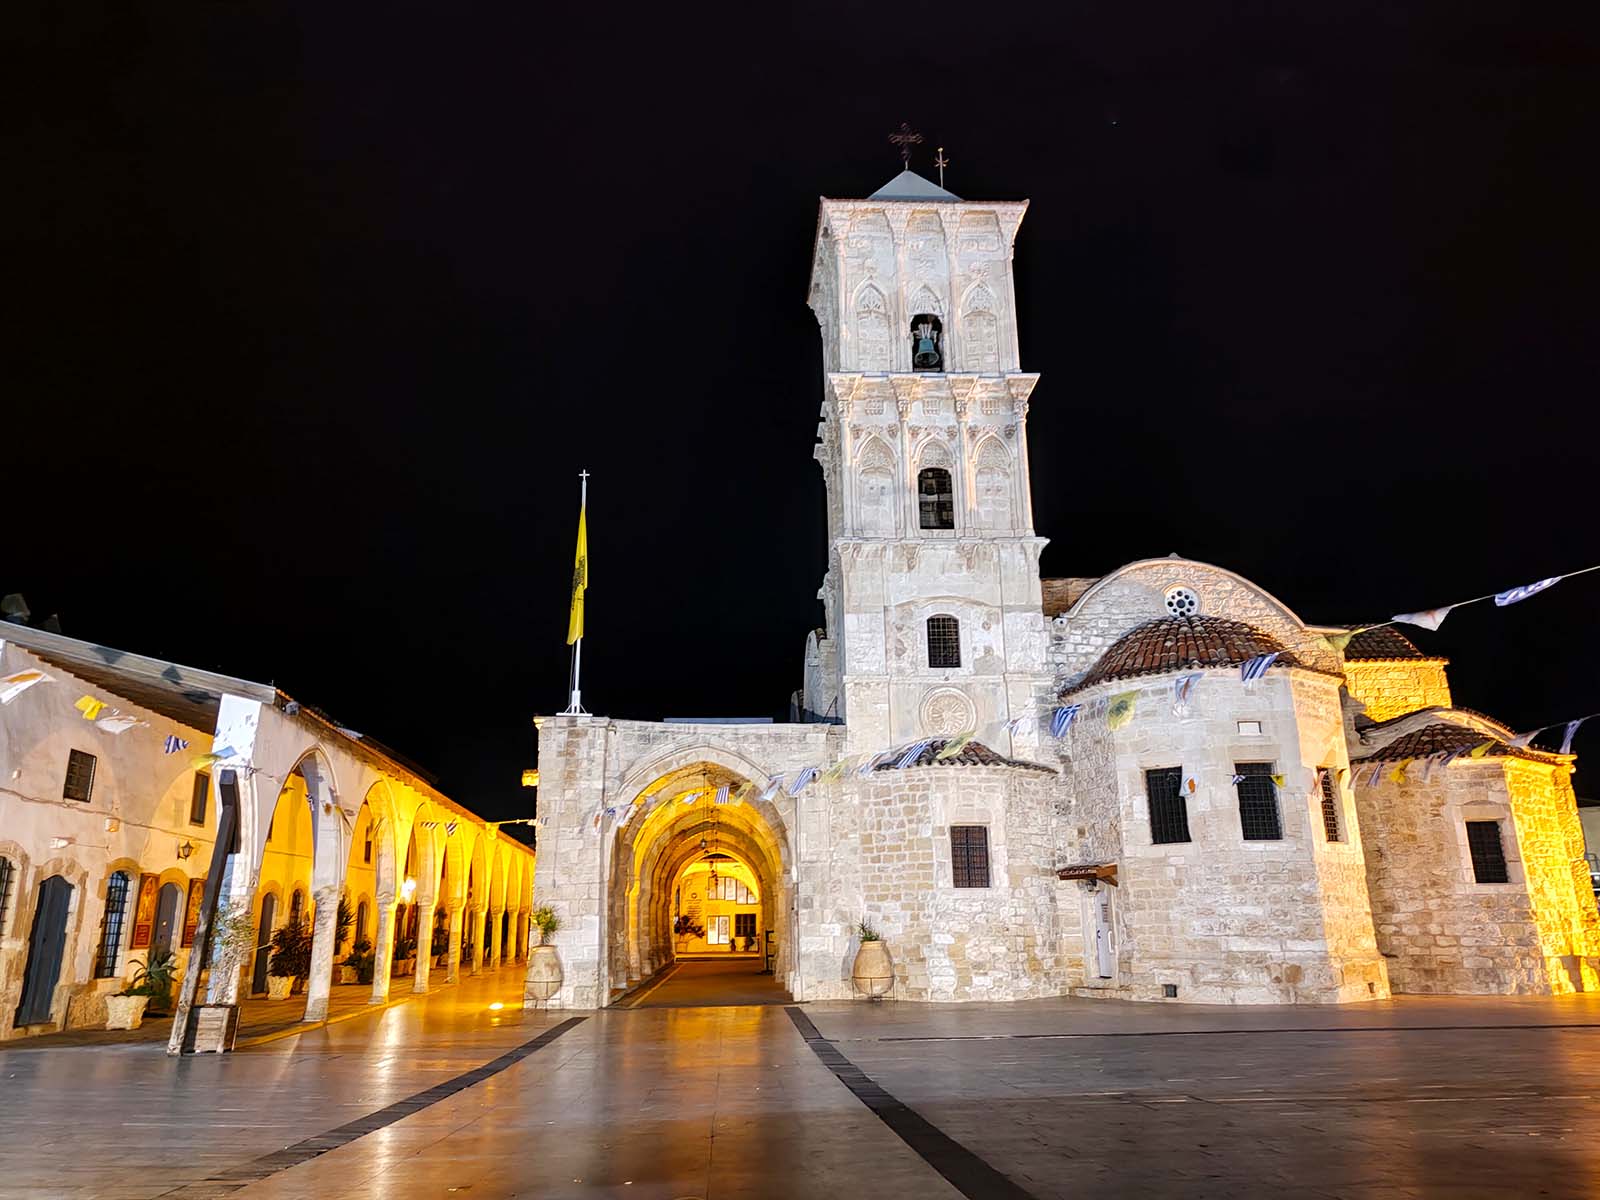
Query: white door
point(718, 931)
point(1105, 949)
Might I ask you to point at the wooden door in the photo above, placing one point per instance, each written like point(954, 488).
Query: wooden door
point(45, 947)
point(167, 919)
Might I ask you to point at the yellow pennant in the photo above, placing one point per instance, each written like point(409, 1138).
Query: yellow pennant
point(1398, 775)
point(1480, 750)
point(1338, 641)
point(956, 745)
point(1120, 711)
point(1277, 781)
point(90, 707)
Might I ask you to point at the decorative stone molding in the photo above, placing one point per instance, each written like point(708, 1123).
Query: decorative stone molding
point(946, 712)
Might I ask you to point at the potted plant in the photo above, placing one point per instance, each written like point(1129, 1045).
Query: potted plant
point(291, 959)
point(405, 956)
point(544, 966)
point(357, 965)
point(872, 973)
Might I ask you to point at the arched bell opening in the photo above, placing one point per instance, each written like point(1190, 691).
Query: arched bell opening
point(927, 343)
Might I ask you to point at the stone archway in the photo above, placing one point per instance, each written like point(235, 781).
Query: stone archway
point(666, 812)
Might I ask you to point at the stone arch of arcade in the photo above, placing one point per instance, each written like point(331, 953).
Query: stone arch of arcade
point(661, 838)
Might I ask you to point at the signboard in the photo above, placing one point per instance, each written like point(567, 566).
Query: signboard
point(144, 912)
point(191, 911)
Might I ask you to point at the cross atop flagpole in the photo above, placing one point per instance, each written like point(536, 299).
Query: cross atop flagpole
point(580, 583)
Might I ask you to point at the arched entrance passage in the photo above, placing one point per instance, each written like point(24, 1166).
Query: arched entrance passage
point(657, 842)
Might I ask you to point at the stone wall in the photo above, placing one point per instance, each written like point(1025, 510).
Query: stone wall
point(1439, 929)
point(1225, 919)
point(950, 943)
point(1392, 688)
point(1550, 841)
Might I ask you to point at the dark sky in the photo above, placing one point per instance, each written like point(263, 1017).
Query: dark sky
point(312, 316)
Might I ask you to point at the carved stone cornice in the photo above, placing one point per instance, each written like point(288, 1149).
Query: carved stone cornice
point(907, 389)
point(1021, 387)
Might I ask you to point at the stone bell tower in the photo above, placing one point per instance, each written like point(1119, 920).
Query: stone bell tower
point(934, 617)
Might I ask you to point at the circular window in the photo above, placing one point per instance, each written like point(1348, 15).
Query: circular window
point(1181, 602)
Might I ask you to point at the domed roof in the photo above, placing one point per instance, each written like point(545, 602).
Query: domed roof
point(1174, 643)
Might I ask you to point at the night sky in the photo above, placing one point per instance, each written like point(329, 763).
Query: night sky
point(312, 317)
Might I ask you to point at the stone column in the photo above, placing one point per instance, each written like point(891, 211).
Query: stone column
point(323, 933)
point(497, 923)
point(453, 973)
point(424, 945)
point(478, 944)
point(382, 950)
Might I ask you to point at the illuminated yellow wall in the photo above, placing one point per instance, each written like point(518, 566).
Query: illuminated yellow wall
point(1551, 842)
point(1394, 688)
point(693, 891)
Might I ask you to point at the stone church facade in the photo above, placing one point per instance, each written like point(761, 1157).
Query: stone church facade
point(1329, 831)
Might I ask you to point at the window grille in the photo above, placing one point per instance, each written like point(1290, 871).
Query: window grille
point(1330, 806)
point(969, 855)
point(297, 906)
point(744, 925)
point(1169, 809)
point(197, 800)
point(80, 776)
point(1259, 819)
point(6, 871)
point(105, 963)
point(944, 642)
point(1488, 852)
point(366, 846)
point(936, 499)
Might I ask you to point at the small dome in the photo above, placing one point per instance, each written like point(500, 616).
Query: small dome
point(1176, 643)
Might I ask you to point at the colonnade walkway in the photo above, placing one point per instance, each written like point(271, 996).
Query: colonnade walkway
point(449, 1096)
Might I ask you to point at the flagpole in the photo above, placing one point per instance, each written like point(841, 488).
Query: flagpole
point(576, 706)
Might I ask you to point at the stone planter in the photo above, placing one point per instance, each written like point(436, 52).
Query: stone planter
point(347, 974)
point(873, 973)
point(278, 986)
point(544, 974)
point(125, 1012)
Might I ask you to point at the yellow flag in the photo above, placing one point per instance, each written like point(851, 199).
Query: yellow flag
point(1120, 711)
point(580, 580)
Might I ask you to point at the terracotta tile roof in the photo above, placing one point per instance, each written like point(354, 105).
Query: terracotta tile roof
point(1432, 739)
point(1386, 644)
point(973, 754)
point(1173, 643)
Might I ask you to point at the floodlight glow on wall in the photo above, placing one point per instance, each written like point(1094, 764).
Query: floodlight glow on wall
point(408, 889)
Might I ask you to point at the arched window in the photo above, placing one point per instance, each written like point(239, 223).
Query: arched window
point(927, 343)
point(993, 480)
point(361, 922)
point(875, 497)
point(297, 906)
point(944, 641)
point(936, 499)
point(105, 961)
point(980, 332)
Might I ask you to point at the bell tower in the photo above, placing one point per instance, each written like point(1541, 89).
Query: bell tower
point(935, 622)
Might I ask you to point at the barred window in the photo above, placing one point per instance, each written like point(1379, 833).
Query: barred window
point(366, 845)
point(1488, 852)
point(105, 962)
point(1169, 810)
point(1330, 806)
point(944, 642)
point(744, 925)
point(6, 872)
point(969, 855)
point(80, 776)
point(198, 798)
point(936, 499)
point(1259, 819)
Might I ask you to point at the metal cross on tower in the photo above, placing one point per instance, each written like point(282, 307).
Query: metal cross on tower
point(905, 138)
point(941, 162)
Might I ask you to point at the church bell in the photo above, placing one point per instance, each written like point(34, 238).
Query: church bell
point(926, 357)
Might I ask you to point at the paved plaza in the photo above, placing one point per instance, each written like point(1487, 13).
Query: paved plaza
point(449, 1096)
